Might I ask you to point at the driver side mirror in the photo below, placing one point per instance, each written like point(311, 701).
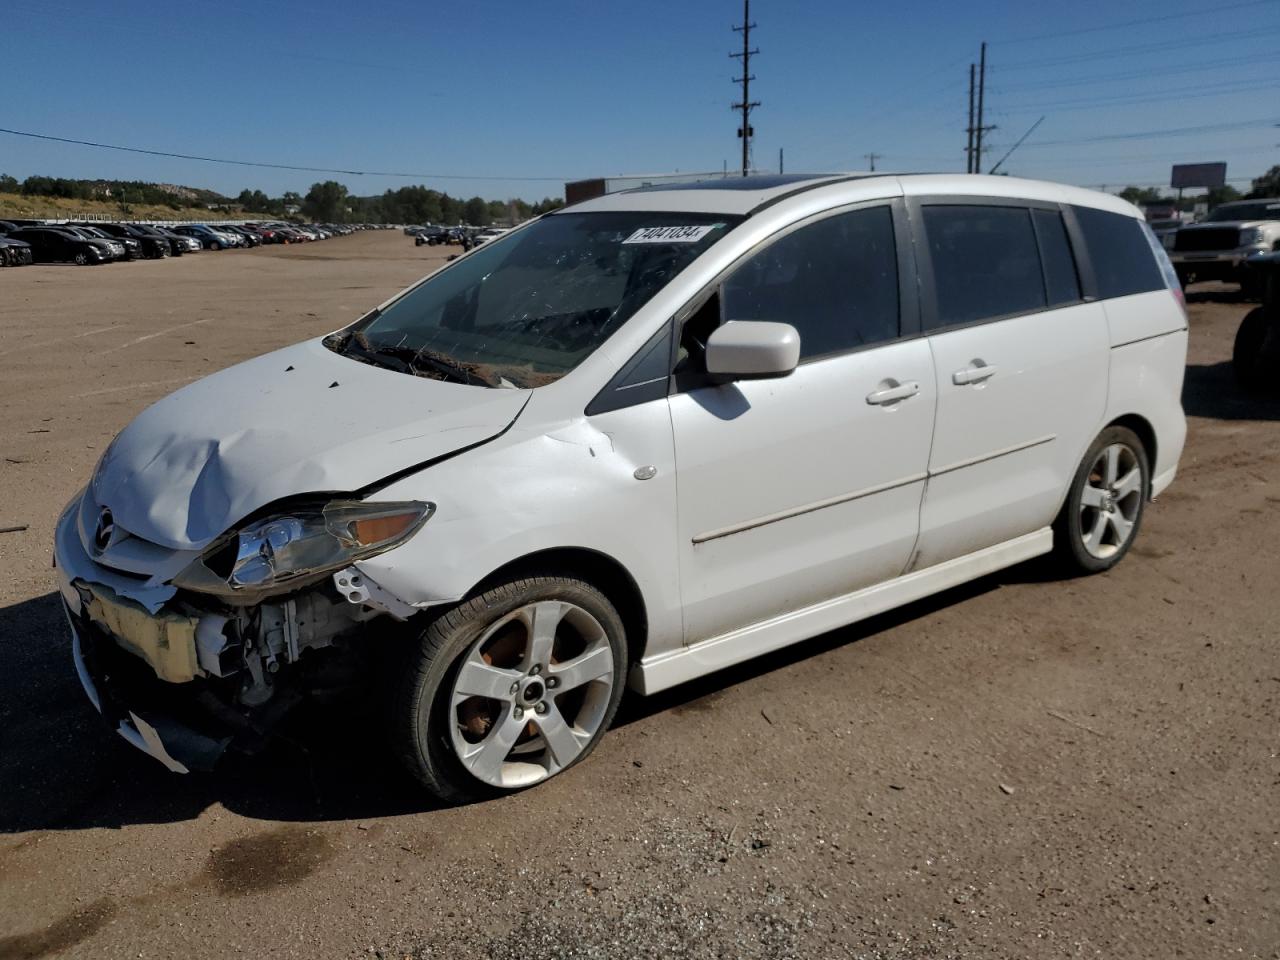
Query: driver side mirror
point(752, 350)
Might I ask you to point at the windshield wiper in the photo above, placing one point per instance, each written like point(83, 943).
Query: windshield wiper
point(356, 345)
point(442, 363)
point(406, 359)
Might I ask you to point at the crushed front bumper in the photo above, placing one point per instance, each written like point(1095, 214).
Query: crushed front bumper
point(121, 675)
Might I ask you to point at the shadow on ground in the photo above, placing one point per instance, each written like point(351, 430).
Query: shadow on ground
point(64, 770)
point(1211, 391)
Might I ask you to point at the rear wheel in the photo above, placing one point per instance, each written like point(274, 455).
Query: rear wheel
point(1255, 358)
point(510, 688)
point(1105, 503)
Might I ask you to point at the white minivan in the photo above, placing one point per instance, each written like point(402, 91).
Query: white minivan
point(629, 443)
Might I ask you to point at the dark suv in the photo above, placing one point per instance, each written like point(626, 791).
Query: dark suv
point(51, 245)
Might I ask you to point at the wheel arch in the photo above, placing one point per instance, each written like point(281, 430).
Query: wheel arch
point(598, 569)
point(1145, 432)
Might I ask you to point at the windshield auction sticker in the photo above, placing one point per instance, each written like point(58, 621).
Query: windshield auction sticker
point(670, 234)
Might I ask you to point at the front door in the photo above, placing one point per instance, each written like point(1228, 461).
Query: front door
point(795, 490)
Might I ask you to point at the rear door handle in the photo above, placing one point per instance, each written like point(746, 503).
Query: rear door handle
point(903, 391)
point(974, 374)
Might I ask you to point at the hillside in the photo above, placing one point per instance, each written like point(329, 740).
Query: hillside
point(17, 205)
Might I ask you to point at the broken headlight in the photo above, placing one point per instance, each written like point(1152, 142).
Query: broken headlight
point(311, 540)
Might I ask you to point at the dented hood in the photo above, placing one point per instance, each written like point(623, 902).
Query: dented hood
point(300, 420)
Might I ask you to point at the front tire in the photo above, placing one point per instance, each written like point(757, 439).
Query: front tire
point(509, 688)
point(81, 259)
point(1105, 503)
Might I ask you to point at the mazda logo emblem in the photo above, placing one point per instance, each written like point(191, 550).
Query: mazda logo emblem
point(106, 527)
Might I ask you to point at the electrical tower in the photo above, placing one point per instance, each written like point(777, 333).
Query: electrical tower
point(977, 129)
point(873, 157)
point(745, 132)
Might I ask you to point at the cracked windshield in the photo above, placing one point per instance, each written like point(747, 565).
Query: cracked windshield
point(525, 310)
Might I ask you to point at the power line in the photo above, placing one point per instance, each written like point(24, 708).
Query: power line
point(1215, 10)
point(1137, 49)
point(1020, 142)
point(1142, 74)
point(747, 104)
point(1156, 134)
point(274, 166)
point(1182, 93)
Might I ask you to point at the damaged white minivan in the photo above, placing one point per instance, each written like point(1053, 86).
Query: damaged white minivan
point(632, 442)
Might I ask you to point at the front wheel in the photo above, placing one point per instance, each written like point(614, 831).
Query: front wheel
point(1105, 503)
point(510, 687)
point(215, 245)
point(81, 258)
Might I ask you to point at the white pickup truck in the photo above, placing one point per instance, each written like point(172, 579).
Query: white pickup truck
point(1217, 247)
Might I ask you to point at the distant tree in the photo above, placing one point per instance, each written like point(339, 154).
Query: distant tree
point(546, 205)
point(476, 212)
point(1223, 194)
point(1141, 195)
point(8, 184)
point(1267, 185)
point(326, 201)
point(254, 200)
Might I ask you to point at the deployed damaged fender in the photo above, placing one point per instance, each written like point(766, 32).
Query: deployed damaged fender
point(604, 484)
point(299, 420)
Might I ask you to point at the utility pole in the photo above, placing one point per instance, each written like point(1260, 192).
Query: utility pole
point(981, 130)
point(873, 157)
point(968, 150)
point(779, 161)
point(747, 104)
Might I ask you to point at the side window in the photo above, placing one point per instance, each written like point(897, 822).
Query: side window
point(1060, 277)
point(835, 281)
point(1121, 256)
point(986, 262)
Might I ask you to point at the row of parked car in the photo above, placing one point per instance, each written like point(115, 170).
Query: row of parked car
point(463, 236)
point(37, 241)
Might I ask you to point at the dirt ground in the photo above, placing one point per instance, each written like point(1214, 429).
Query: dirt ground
point(1024, 767)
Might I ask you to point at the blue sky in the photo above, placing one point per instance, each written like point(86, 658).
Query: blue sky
point(568, 89)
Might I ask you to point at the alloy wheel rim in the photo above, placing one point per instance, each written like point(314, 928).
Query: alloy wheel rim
point(531, 694)
point(1110, 501)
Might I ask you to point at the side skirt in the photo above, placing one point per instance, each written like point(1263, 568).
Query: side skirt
point(667, 669)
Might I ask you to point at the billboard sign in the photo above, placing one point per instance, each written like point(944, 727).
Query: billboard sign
point(1198, 175)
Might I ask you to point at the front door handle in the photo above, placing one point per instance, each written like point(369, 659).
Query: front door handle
point(888, 395)
point(973, 374)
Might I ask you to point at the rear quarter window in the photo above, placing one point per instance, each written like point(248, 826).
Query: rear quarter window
point(1121, 256)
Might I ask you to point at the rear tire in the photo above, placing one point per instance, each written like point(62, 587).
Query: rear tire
point(1255, 358)
point(1105, 503)
point(549, 650)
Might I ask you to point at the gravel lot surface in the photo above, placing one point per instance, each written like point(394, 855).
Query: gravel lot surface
point(1024, 767)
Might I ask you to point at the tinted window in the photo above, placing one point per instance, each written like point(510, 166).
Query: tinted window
point(985, 262)
point(1119, 253)
point(835, 281)
point(1055, 253)
point(1262, 210)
